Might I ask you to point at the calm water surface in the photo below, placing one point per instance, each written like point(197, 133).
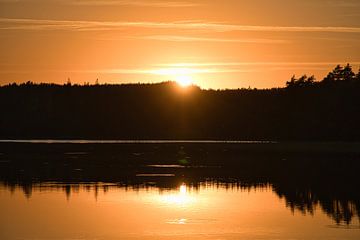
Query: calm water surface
point(174, 192)
point(209, 212)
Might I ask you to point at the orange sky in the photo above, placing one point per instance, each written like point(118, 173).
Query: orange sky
point(215, 44)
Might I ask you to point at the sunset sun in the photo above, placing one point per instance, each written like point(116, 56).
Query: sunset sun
point(184, 80)
point(183, 76)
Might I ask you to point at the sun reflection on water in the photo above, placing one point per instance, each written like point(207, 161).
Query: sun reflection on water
point(180, 221)
point(180, 198)
point(183, 189)
point(186, 212)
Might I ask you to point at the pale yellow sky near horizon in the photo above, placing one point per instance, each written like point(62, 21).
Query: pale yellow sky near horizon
point(214, 44)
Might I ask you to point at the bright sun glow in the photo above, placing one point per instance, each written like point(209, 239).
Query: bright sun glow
point(183, 76)
point(180, 198)
point(184, 80)
point(183, 189)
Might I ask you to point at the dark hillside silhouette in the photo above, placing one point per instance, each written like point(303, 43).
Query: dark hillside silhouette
point(304, 110)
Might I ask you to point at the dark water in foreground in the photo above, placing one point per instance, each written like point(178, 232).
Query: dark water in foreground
point(179, 190)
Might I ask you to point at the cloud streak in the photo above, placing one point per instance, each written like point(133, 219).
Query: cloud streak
point(207, 64)
point(44, 24)
point(180, 69)
point(172, 38)
point(170, 71)
point(344, 3)
point(219, 67)
point(131, 3)
point(159, 4)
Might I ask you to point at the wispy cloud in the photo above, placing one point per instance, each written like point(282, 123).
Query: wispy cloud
point(144, 3)
point(134, 3)
point(138, 71)
point(43, 24)
point(166, 71)
point(219, 67)
point(172, 38)
point(345, 3)
point(207, 64)
point(9, 1)
point(176, 69)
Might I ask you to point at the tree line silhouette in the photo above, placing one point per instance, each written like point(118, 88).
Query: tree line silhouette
point(340, 74)
point(305, 109)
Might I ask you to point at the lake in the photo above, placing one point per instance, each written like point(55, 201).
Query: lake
point(179, 190)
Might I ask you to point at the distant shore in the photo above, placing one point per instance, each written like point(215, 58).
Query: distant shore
point(305, 111)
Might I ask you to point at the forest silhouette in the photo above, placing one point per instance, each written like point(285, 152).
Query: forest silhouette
point(304, 110)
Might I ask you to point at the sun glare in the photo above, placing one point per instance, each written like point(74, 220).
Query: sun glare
point(180, 198)
point(184, 81)
point(183, 76)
